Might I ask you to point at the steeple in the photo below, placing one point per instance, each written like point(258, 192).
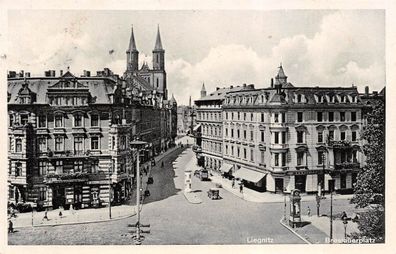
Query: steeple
point(132, 54)
point(203, 90)
point(158, 53)
point(280, 78)
point(158, 43)
point(173, 100)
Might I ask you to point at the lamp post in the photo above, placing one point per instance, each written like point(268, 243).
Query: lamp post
point(110, 171)
point(331, 188)
point(285, 204)
point(138, 145)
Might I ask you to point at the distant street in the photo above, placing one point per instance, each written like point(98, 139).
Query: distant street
point(173, 219)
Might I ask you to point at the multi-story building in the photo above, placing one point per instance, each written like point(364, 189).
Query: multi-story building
point(209, 118)
point(69, 136)
point(284, 137)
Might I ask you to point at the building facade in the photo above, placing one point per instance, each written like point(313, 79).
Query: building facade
point(283, 137)
point(69, 136)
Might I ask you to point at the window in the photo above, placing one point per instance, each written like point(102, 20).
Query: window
point(59, 146)
point(276, 141)
point(299, 117)
point(283, 117)
point(299, 98)
point(283, 137)
point(354, 156)
point(42, 143)
point(300, 158)
point(342, 116)
point(94, 120)
point(354, 135)
point(24, 119)
point(226, 132)
point(42, 121)
point(94, 143)
point(320, 157)
point(283, 159)
point(277, 159)
point(232, 115)
point(353, 116)
point(239, 115)
point(262, 136)
point(77, 121)
point(232, 150)
point(262, 157)
point(342, 135)
point(251, 116)
point(244, 116)
point(78, 166)
point(262, 117)
point(59, 167)
point(18, 169)
point(42, 193)
point(276, 118)
point(157, 78)
point(227, 116)
point(123, 142)
point(244, 153)
point(238, 152)
point(251, 136)
point(244, 134)
point(232, 133)
point(331, 116)
point(78, 145)
point(42, 168)
point(58, 121)
point(300, 137)
point(238, 133)
point(320, 137)
point(319, 116)
point(226, 149)
point(18, 145)
point(12, 119)
point(251, 155)
point(331, 135)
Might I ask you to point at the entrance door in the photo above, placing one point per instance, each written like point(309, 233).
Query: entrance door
point(278, 185)
point(58, 197)
point(300, 181)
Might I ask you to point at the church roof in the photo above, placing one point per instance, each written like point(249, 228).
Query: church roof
point(203, 87)
point(158, 43)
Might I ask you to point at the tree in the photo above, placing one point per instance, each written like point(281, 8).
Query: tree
point(369, 190)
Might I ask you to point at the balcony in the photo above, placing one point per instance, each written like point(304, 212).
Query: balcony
point(17, 179)
point(280, 168)
point(279, 146)
point(66, 178)
point(282, 126)
point(340, 144)
point(346, 165)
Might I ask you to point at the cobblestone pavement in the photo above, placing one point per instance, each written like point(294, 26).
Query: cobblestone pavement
point(173, 219)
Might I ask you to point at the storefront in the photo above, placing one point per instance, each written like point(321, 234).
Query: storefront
point(252, 179)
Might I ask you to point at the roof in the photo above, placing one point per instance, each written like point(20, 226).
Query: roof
point(220, 93)
point(132, 43)
point(99, 87)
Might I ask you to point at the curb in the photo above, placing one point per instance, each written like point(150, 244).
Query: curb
point(294, 232)
point(77, 223)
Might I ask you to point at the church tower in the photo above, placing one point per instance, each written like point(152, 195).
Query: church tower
point(132, 55)
point(158, 54)
point(159, 74)
point(280, 78)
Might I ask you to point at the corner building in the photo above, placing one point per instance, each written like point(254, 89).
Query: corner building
point(69, 136)
point(284, 137)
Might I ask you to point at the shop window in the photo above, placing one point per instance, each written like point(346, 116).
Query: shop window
point(42, 193)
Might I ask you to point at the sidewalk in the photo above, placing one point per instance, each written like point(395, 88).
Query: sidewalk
point(263, 197)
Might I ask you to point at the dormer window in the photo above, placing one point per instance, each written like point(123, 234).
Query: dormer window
point(343, 99)
point(299, 98)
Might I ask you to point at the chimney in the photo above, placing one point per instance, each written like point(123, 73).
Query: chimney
point(366, 91)
point(217, 88)
point(12, 74)
point(61, 72)
point(27, 74)
point(47, 73)
point(21, 74)
point(244, 84)
point(375, 93)
point(231, 87)
point(52, 73)
point(251, 86)
point(88, 74)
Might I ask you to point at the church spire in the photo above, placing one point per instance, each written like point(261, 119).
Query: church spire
point(132, 54)
point(132, 43)
point(158, 43)
point(203, 90)
point(280, 78)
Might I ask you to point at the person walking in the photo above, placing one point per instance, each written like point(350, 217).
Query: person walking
point(233, 183)
point(46, 215)
point(241, 188)
point(60, 214)
point(10, 227)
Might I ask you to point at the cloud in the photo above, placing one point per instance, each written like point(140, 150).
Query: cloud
point(341, 53)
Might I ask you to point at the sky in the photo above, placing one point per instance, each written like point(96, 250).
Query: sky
point(216, 47)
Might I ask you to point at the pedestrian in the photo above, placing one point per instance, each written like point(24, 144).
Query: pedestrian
point(309, 212)
point(10, 227)
point(60, 214)
point(233, 183)
point(46, 215)
point(241, 188)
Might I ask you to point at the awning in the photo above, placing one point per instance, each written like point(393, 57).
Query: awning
point(249, 175)
point(225, 168)
point(197, 127)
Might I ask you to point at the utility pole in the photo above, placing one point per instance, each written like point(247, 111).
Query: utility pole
point(110, 171)
point(331, 210)
point(138, 195)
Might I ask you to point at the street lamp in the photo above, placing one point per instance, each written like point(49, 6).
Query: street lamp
point(138, 145)
point(331, 188)
point(110, 194)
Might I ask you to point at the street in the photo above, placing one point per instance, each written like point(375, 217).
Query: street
point(173, 220)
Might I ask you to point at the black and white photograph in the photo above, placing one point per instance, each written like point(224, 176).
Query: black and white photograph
point(195, 126)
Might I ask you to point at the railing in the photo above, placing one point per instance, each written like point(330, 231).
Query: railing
point(279, 146)
point(346, 165)
point(340, 143)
